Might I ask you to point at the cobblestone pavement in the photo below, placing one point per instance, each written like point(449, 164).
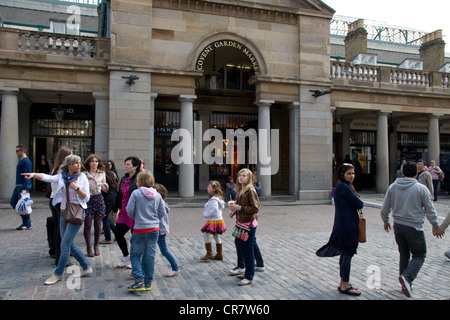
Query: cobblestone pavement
point(288, 235)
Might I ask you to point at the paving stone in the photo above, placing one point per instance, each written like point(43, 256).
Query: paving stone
point(288, 237)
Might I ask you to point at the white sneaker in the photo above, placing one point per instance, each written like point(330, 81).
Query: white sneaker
point(260, 269)
point(125, 262)
point(172, 273)
point(236, 271)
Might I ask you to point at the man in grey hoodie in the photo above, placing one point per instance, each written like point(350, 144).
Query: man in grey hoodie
point(409, 201)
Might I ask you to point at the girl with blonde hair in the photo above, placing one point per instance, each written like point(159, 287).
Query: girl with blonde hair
point(215, 225)
point(246, 210)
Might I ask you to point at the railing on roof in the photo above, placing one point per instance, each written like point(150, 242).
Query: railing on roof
point(378, 31)
point(92, 2)
point(366, 75)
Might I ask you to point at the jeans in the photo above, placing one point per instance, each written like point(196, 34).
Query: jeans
point(26, 218)
point(56, 211)
point(240, 255)
point(142, 256)
point(166, 253)
point(247, 249)
point(108, 225)
point(410, 242)
point(435, 187)
point(68, 232)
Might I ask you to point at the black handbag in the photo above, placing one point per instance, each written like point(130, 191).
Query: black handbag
point(73, 212)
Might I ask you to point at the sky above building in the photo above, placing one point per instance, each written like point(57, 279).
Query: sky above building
point(419, 15)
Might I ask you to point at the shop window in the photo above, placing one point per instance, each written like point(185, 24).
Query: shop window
point(66, 128)
point(363, 138)
point(413, 140)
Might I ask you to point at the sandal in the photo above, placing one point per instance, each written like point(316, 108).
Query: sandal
point(349, 292)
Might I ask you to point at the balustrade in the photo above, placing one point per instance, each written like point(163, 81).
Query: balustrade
point(56, 44)
point(358, 72)
point(381, 74)
point(410, 78)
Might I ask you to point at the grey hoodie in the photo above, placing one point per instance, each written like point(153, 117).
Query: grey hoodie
point(146, 207)
point(409, 201)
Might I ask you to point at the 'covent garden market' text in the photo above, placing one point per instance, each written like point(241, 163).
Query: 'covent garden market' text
point(227, 43)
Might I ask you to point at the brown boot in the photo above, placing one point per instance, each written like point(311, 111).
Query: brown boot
point(96, 251)
point(90, 252)
point(209, 252)
point(218, 256)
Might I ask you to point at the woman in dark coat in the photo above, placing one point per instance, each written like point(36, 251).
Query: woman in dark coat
point(344, 237)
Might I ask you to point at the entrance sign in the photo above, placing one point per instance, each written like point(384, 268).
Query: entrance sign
point(230, 44)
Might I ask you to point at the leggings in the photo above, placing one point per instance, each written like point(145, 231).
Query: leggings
point(207, 239)
point(119, 231)
point(97, 229)
point(345, 262)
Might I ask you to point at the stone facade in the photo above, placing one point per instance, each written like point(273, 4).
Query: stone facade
point(273, 58)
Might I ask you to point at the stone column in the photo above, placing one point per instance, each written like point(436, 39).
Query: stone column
point(186, 169)
point(345, 138)
point(294, 180)
point(151, 157)
point(9, 139)
point(264, 166)
point(203, 168)
point(101, 124)
point(434, 146)
point(382, 174)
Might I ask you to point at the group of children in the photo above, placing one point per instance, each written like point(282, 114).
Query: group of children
point(150, 213)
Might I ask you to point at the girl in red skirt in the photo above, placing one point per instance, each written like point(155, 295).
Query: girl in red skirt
point(215, 225)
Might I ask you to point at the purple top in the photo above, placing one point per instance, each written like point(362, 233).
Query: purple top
point(123, 215)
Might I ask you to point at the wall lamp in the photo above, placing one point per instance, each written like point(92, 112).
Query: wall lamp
point(318, 93)
point(131, 79)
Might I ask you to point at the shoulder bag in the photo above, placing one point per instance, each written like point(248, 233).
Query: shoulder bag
point(361, 228)
point(73, 212)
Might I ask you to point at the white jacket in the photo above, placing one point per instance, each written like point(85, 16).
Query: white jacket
point(213, 209)
point(60, 193)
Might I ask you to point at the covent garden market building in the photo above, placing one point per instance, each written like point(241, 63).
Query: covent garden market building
point(200, 89)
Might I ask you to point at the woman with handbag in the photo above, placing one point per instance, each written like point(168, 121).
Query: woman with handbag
point(344, 237)
point(437, 175)
point(246, 210)
point(74, 184)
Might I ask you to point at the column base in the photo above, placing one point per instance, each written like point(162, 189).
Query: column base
point(314, 195)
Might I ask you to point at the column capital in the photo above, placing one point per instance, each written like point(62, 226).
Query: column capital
point(434, 116)
point(100, 95)
point(187, 98)
point(10, 91)
point(294, 105)
point(383, 113)
point(264, 103)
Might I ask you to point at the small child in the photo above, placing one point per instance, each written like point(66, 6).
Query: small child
point(215, 224)
point(444, 225)
point(163, 231)
point(146, 207)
